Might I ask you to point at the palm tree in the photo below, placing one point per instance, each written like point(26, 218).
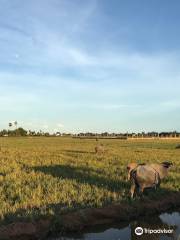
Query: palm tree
point(15, 123)
point(10, 125)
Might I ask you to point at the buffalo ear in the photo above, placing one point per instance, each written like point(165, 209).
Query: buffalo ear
point(167, 164)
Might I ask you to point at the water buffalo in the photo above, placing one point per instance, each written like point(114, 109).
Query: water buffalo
point(146, 175)
point(99, 148)
point(130, 167)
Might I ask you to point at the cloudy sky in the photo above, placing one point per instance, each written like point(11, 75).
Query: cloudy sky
point(94, 65)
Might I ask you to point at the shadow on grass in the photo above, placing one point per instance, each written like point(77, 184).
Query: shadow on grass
point(83, 175)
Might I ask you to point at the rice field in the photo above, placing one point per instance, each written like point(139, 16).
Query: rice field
point(50, 176)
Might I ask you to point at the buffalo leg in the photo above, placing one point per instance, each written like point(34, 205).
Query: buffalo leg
point(133, 186)
point(141, 190)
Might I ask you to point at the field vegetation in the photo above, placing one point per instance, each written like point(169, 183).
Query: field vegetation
point(42, 176)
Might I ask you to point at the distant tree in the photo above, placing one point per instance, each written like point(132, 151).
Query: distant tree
point(46, 134)
point(21, 132)
point(10, 125)
point(15, 123)
point(3, 133)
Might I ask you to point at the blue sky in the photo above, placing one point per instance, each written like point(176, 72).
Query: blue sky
point(94, 65)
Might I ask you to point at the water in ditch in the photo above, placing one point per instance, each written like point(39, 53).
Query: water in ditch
point(163, 227)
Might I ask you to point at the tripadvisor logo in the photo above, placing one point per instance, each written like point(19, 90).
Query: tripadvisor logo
point(139, 231)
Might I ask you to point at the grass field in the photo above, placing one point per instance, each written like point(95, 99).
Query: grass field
point(49, 176)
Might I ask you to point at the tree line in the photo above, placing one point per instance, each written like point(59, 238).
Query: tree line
point(14, 130)
point(152, 134)
point(22, 132)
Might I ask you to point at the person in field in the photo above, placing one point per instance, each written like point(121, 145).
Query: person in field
point(146, 175)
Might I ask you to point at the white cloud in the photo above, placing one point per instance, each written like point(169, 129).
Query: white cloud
point(45, 126)
point(60, 125)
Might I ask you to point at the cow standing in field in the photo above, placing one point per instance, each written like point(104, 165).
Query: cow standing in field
point(146, 175)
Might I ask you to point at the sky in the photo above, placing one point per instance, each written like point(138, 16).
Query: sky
point(94, 65)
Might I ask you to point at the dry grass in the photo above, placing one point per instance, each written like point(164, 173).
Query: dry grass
point(48, 176)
